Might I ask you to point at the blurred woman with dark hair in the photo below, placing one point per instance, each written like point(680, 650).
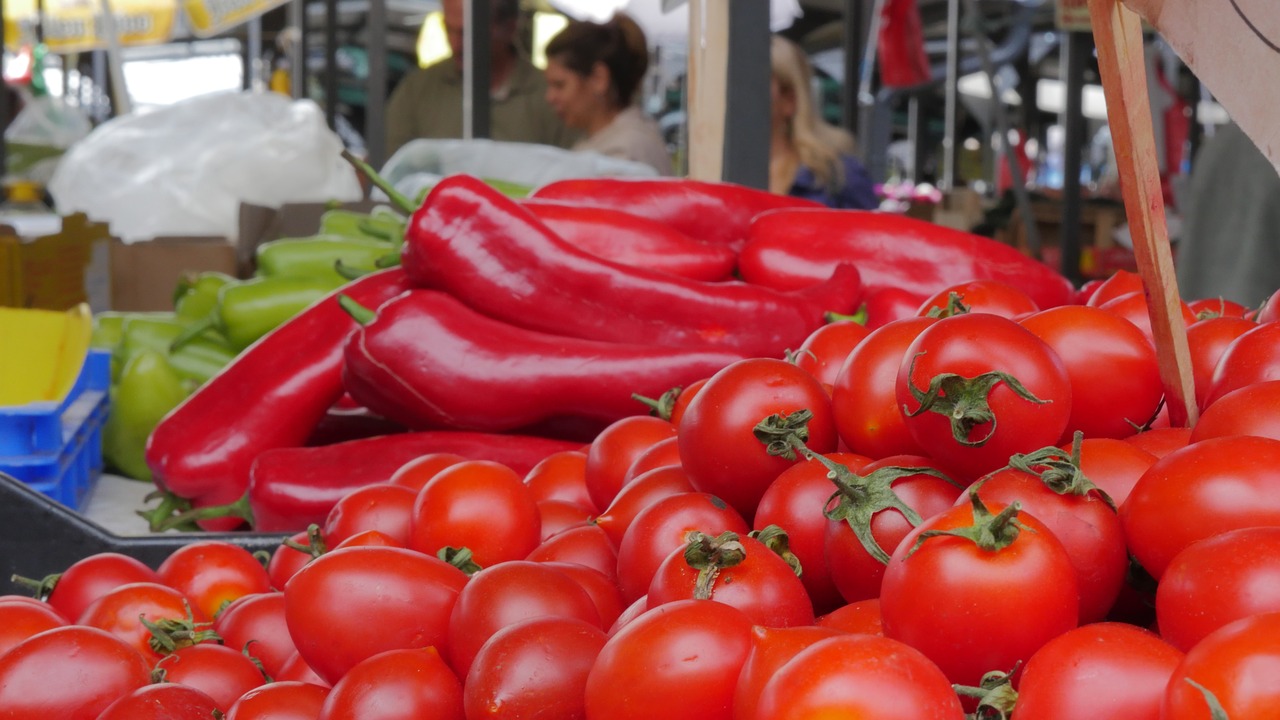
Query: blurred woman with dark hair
point(593, 76)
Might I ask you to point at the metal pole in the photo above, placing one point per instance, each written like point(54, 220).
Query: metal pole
point(853, 29)
point(948, 180)
point(331, 62)
point(375, 123)
point(253, 54)
point(746, 127)
point(477, 69)
point(298, 52)
point(1075, 50)
point(916, 136)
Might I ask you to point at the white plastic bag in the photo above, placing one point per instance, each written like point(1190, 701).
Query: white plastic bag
point(185, 169)
point(40, 134)
point(419, 164)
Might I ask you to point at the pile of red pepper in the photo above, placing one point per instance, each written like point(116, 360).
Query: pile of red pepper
point(516, 329)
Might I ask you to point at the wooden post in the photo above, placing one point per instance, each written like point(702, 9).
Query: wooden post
point(1117, 32)
point(708, 86)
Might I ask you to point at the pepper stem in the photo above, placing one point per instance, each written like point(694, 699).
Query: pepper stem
point(398, 199)
point(358, 312)
point(191, 332)
point(859, 317)
point(169, 505)
point(239, 509)
point(964, 400)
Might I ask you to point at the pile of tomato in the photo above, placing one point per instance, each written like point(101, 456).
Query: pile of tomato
point(978, 509)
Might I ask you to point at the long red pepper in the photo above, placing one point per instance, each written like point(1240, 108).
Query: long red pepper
point(634, 240)
point(480, 246)
point(293, 487)
point(426, 360)
point(790, 249)
point(272, 395)
point(707, 211)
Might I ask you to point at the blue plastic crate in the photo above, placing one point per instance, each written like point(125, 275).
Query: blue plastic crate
point(56, 448)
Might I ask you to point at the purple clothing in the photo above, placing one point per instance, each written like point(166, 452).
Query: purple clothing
point(857, 193)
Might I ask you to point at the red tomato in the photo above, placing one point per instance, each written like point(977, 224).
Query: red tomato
point(417, 472)
point(1207, 340)
point(396, 685)
point(20, 618)
point(660, 454)
point(1205, 489)
point(287, 700)
point(823, 353)
point(256, 624)
point(997, 422)
point(1115, 379)
point(1234, 663)
point(859, 676)
point(979, 296)
point(771, 648)
point(794, 502)
point(664, 526)
point(678, 661)
point(1079, 517)
point(480, 505)
point(1104, 671)
point(384, 507)
point(404, 600)
point(889, 304)
point(686, 395)
point(863, 397)
point(287, 560)
point(1209, 308)
point(1219, 580)
point(1270, 310)
point(647, 489)
point(88, 579)
point(120, 611)
point(557, 516)
point(856, 617)
point(1133, 307)
point(99, 669)
point(1251, 410)
point(163, 701)
point(370, 538)
point(615, 448)
point(754, 579)
point(952, 599)
point(1121, 282)
point(718, 447)
point(218, 671)
point(508, 593)
point(1160, 441)
point(297, 670)
point(632, 611)
point(865, 502)
point(1253, 357)
point(586, 545)
point(1086, 291)
point(602, 588)
point(562, 476)
point(1113, 465)
point(534, 668)
point(212, 573)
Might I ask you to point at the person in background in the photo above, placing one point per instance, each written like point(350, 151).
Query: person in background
point(593, 76)
point(428, 101)
point(1230, 240)
point(809, 157)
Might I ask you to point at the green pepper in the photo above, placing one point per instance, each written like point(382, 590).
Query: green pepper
point(148, 388)
point(108, 329)
point(380, 224)
point(198, 359)
point(317, 256)
point(197, 296)
point(253, 308)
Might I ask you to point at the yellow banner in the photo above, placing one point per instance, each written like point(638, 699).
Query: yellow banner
point(79, 25)
point(212, 17)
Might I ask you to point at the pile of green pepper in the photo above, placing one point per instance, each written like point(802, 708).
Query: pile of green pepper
point(159, 358)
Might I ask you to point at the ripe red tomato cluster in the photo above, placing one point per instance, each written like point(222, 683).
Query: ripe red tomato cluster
point(977, 506)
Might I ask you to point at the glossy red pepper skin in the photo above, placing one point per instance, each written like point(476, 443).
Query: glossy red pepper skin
point(495, 256)
point(426, 360)
point(272, 395)
point(633, 240)
point(708, 211)
point(791, 249)
point(293, 487)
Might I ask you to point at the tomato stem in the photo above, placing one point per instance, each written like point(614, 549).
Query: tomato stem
point(991, 533)
point(315, 546)
point(710, 555)
point(661, 407)
point(1216, 711)
point(965, 401)
point(1059, 471)
point(40, 589)
point(169, 634)
point(995, 693)
point(777, 540)
point(460, 558)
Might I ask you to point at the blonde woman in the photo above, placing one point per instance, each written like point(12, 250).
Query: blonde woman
point(808, 157)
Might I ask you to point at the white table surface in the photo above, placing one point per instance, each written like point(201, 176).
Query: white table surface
point(113, 503)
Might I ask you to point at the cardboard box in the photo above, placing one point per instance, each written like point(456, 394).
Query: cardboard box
point(144, 275)
point(56, 271)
